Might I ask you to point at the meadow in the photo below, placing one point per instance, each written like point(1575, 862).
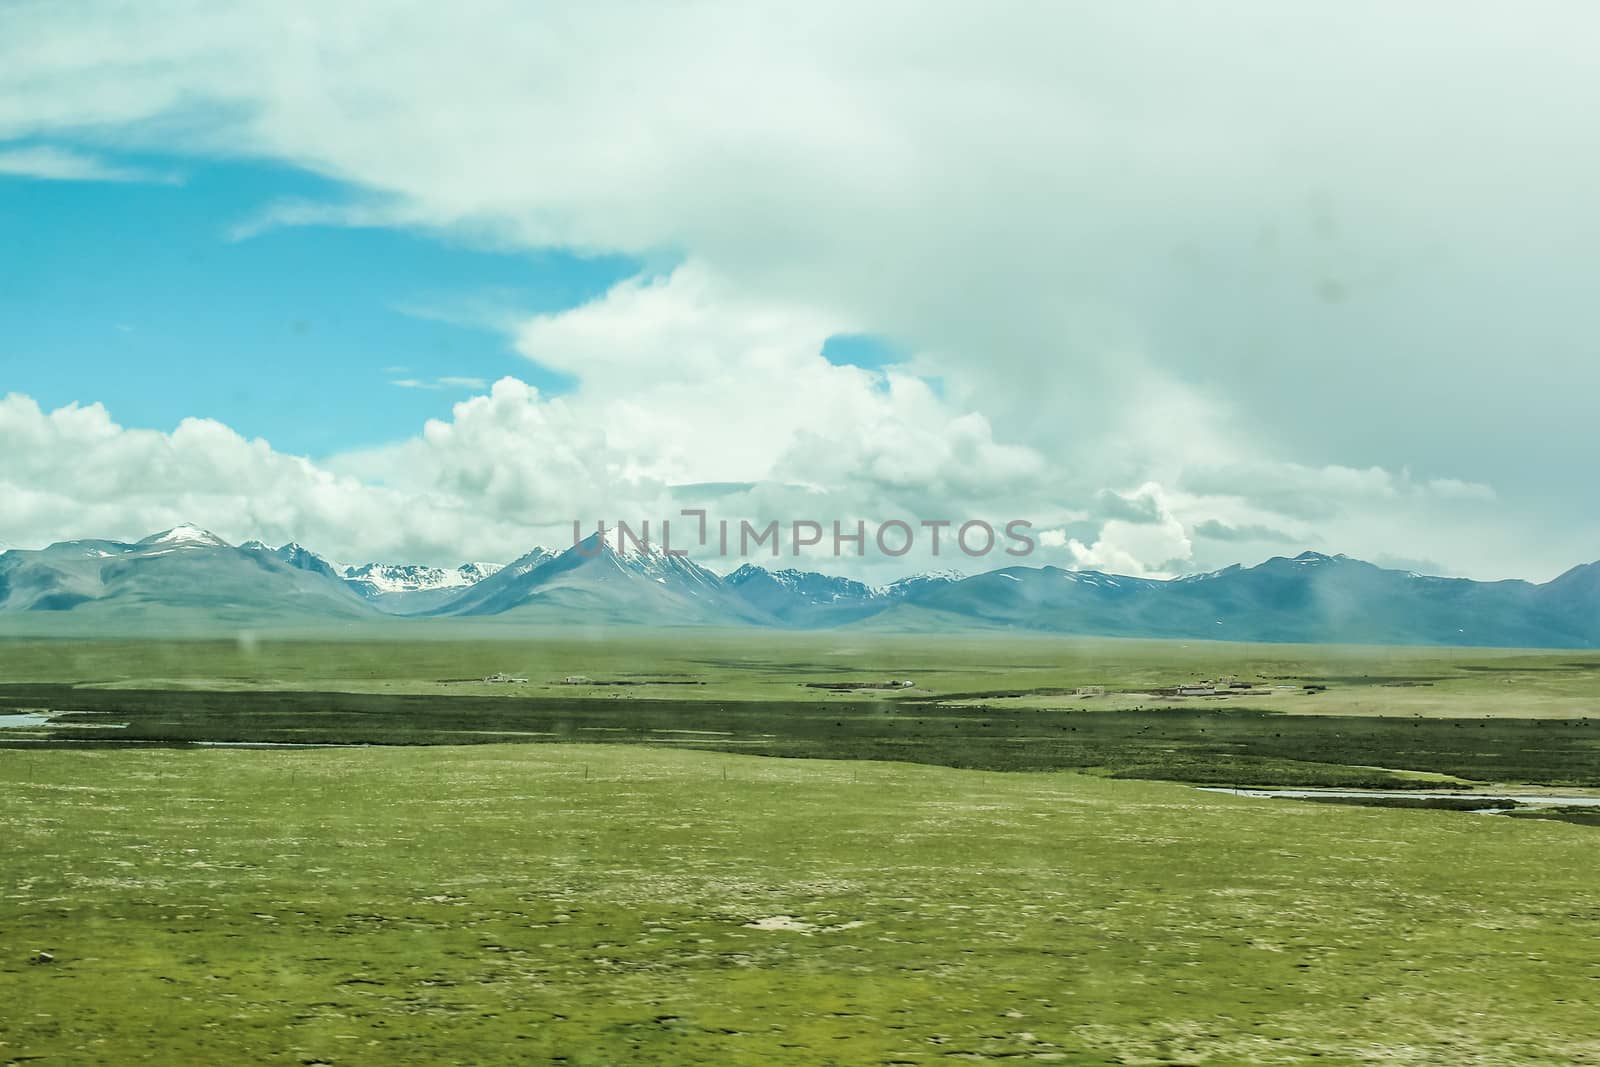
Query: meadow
point(1369, 717)
point(599, 905)
point(400, 656)
point(986, 866)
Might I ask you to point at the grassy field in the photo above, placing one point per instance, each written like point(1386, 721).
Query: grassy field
point(981, 867)
point(1391, 718)
point(1034, 671)
point(602, 905)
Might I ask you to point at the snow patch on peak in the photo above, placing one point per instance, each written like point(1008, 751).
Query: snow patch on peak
point(185, 535)
point(1209, 575)
point(374, 578)
point(939, 577)
point(521, 565)
point(477, 572)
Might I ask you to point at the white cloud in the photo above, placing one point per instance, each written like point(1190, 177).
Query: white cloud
point(694, 381)
point(445, 382)
point(1456, 489)
point(1248, 533)
point(1143, 539)
point(513, 468)
point(286, 213)
point(677, 377)
point(74, 472)
point(1140, 549)
point(60, 164)
point(1305, 492)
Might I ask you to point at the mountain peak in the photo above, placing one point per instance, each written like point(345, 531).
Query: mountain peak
point(184, 535)
point(296, 555)
point(373, 579)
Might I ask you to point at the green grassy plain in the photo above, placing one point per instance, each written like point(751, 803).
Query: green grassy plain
point(1325, 716)
point(979, 868)
point(603, 905)
point(1036, 671)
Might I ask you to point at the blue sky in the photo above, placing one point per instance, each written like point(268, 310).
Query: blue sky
point(137, 295)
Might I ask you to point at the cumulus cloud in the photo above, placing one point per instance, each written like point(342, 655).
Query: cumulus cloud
point(1140, 549)
point(76, 472)
point(1148, 541)
point(675, 407)
point(513, 468)
point(690, 377)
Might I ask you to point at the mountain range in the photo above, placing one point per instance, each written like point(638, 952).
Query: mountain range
point(188, 573)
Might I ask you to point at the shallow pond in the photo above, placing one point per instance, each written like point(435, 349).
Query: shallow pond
point(1531, 799)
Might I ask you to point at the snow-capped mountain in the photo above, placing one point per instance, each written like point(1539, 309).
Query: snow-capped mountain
point(1311, 597)
point(808, 585)
point(302, 558)
point(191, 577)
point(409, 588)
point(394, 588)
point(806, 598)
point(796, 596)
point(185, 535)
point(179, 575)
point(296, 556)
point(592, 581)
point(373, 578)
point(914, 586)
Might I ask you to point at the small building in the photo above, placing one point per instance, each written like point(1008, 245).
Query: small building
point(502, 678)
point(575, 679)
point(1089, 691)
point(1197, 691)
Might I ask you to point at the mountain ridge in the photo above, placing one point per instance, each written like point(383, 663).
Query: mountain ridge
point(1312, 597)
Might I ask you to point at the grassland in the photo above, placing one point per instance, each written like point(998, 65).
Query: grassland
point(742, 665)
point(981, 867)
point(1318, 716)
point(603, 905)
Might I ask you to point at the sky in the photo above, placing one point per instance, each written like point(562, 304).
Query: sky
point(1180, 287)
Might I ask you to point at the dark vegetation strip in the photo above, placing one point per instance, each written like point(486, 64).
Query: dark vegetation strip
point(1577, 816)
point(1475, 803)
point(1217, 745)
